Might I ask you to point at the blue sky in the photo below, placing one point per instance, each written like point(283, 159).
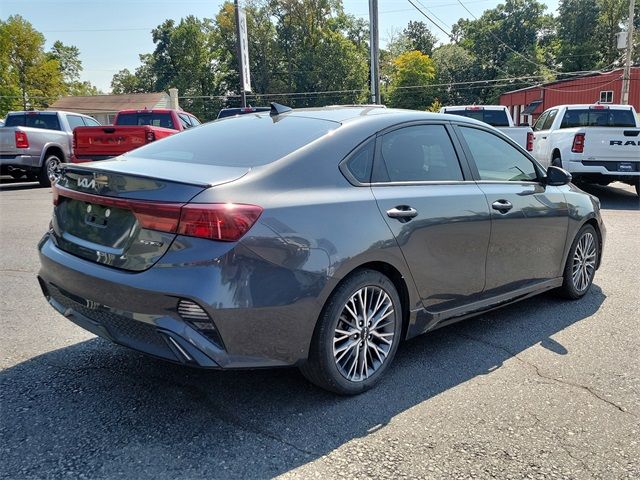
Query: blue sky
point(111, 33)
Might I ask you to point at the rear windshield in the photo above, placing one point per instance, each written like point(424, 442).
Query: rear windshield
point(48, 121)
point(589, 117)
point(495, 118)
point(153, 119)
point(245, 141)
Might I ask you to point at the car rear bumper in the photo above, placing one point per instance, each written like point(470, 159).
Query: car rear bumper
point(139, 310)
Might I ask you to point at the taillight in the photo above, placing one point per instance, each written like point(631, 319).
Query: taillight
point(151, 136)
point(74, 142)
point(578, 143)
point(217, 221)
point(21, 139)
point(227, 222)
point(529, 141)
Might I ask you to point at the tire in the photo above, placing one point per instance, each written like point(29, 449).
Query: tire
point(47, 172)
point(583, 257)
point(335, 362)
point(638, 187)
point(17, 175)
point(556, 162)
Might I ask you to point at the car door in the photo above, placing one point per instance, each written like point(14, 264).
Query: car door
point(437, 213)
point(541, 141)
point(529, 220)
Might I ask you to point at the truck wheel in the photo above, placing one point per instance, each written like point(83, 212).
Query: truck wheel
point(638, 186)
point(556, 162)
point(50, 170)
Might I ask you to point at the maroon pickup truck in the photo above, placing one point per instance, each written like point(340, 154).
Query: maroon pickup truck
point(131, 129)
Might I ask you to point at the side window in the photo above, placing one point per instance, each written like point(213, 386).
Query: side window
point(75, 121)
point(496, 159)
point(90, 122)
point(184, 120)
point(540, 122)
point(360, 163)
point(549, 120)
point(420, 153)
point(194, 121)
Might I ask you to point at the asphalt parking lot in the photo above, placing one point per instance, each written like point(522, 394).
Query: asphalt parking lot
point(544, 388)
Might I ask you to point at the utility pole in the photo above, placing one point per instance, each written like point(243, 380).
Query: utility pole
point(243, 94)
point(374, 47)
point(626, 77)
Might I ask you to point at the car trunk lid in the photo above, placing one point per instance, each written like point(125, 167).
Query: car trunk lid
point(113, 215)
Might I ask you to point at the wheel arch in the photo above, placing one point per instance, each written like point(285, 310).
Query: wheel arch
point(52, 148)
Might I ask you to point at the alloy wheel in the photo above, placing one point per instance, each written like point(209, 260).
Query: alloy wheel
point(584, 262)
point(364, 334)
point(53, 168)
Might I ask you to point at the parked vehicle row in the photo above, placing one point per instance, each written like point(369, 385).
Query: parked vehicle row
point(36, 143)
point(232, 255)
point(131, 129)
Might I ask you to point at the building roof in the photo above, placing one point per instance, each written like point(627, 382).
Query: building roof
point(571, 79)
point(111, 103)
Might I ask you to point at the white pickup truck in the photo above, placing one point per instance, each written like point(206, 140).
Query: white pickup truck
point(595, 143)
point(497, 116)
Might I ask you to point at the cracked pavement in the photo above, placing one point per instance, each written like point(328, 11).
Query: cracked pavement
point(545, 388)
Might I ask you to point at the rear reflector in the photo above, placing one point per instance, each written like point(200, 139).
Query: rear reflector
point(226, 222)
point(578, 143)
point(21, 139)
point(529, 141)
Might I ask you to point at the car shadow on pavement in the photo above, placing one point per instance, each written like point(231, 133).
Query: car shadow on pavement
point(104, 411)
point(8, 184)
point(613, 198)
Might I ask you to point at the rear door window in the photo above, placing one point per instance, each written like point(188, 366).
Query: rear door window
point(497, 159)
point(549, 120)
point(185, 121)
point(90, 122)
point(421, 153)
point(540, 122)
point(75, 121)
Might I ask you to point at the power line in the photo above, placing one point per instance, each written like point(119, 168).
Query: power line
point(431, 20)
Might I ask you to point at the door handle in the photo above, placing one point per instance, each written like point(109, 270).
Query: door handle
point(404, 213)
point(544, 137)
point(503, 206)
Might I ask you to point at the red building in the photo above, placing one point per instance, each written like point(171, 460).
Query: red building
point(527, 104)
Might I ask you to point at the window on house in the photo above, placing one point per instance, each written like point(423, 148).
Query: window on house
point(606, 96)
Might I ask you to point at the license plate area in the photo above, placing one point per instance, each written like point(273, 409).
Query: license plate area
point(97, 215)
point(626, 167)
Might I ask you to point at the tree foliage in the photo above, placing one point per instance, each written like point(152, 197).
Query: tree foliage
point(410, 70)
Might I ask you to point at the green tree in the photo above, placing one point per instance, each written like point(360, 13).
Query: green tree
point(411, 69)
point(612, 14)
point(28, 71)
point(455, 66)
point(577, 25)
point(420, 37)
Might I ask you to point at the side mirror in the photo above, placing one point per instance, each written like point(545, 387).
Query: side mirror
point(557, 176)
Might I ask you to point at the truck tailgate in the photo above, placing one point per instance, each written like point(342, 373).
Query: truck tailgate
point(611, 144)
point(110, 141)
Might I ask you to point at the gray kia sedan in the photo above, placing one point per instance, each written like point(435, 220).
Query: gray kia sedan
point(319, 238)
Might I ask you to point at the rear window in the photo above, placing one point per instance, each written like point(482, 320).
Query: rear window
point(245, 141)
point(589, 117)
point(47, 121)
point(153, 119)
point(495, 118)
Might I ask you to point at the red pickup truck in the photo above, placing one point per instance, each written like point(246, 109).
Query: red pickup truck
point(131, 129)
